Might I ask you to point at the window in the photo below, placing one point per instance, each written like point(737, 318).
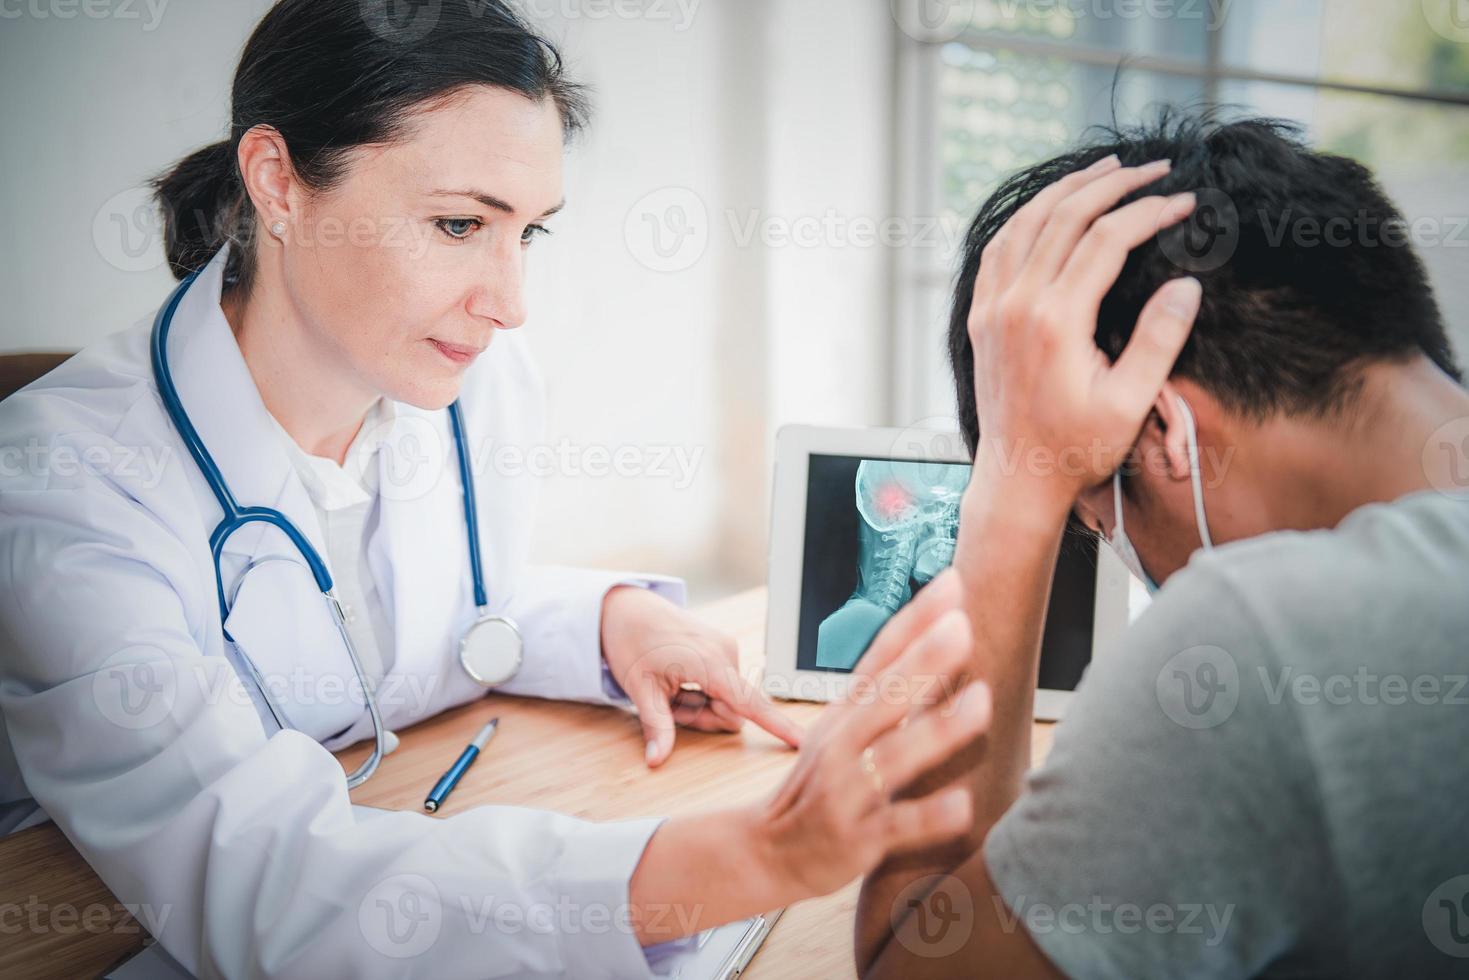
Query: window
point(999, 84)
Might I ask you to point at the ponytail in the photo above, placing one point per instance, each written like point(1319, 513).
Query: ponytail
point(202, 200)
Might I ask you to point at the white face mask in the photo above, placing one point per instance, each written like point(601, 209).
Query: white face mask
point(1119, 541)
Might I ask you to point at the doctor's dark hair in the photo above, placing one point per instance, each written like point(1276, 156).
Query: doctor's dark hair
point(333, 75)
point(1288, 317)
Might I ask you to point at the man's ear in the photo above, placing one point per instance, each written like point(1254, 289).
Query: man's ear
point(1175, 438)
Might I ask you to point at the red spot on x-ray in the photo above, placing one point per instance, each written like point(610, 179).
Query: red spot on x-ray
point(892, 500)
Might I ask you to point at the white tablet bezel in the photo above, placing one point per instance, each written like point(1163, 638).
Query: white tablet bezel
point(795, 445)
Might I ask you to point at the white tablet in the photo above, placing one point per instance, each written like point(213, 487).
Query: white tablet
point(862, 520)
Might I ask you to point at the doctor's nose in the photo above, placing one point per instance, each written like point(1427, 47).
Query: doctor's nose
point(500, 296)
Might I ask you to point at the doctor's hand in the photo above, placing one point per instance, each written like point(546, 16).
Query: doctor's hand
point(1042, 384)
point(677, 670)
point(849, 801)
point(912, 707)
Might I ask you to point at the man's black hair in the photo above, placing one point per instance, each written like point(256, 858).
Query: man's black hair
point(1298, 304)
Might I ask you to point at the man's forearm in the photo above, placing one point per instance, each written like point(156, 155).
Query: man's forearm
point(1009, 534)
point(1007, 560)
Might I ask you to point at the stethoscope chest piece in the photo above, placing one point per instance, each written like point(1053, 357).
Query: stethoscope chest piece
point(492, 650)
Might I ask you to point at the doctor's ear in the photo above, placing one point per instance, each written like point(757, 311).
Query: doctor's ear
point(1175, 437)
point(267, 173)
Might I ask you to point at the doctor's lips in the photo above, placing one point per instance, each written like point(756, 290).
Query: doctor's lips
point(458, 353)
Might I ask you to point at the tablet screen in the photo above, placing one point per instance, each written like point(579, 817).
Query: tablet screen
point(879, 530)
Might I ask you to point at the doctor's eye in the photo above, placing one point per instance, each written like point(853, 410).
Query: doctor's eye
point(459, 229)
point(532, 232)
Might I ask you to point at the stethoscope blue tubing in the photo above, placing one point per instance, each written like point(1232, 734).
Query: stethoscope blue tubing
point(471, 518)
point(236, 517)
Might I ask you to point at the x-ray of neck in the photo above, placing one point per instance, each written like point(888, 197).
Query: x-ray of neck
point(909, 522)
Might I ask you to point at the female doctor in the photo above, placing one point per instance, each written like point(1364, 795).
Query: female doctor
point(180, 653)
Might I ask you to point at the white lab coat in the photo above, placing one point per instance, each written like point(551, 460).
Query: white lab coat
point(236, 839)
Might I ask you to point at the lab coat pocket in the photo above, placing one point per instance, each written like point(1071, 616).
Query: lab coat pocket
point(287, 643)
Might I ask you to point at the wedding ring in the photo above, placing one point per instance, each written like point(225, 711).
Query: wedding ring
point(870, 767)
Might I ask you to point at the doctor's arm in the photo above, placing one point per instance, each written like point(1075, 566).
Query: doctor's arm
point(242, 852)
point(834, 816)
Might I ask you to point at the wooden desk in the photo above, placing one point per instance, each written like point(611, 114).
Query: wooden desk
point(578, 759)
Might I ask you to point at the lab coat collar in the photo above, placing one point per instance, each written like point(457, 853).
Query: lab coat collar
point(218, 392)
point(332, 487)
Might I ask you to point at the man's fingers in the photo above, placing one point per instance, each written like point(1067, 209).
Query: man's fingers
point(936, 735)
point(1011, 245)
point(1071, 218)
point(943, 593)
point(1094, 267)
point(1162, 329)
point(657, 718)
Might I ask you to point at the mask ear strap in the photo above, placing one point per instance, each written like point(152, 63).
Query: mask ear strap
point(1117, 502)
point(1195, 476)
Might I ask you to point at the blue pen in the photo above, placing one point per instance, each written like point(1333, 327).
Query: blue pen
point(450, 779)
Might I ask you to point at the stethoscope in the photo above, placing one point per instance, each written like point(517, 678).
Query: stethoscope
point(490, 650)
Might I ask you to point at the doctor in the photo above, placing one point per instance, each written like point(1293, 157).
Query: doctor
point(172, 680)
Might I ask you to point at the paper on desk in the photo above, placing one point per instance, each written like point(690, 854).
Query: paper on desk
point(154, 963)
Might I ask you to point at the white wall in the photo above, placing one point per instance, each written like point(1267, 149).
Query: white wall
point(94, 106)
point(715, 202)
point(710, 114)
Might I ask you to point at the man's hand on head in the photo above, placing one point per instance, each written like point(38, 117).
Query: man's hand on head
point(1054, 411)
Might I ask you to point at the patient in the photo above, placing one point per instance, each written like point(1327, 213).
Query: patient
point(1250, 394)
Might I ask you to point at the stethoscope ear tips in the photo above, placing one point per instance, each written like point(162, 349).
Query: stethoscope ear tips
point(390, 743)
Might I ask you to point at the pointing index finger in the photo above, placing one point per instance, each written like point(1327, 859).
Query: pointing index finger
point(749, 702)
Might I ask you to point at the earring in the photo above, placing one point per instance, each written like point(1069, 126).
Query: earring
point(278, 229)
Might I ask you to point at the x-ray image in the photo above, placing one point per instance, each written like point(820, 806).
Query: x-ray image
point(908, 521)
point(878, 531)
point(892, 525)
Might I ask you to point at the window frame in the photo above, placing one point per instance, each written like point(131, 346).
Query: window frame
point(918, 171)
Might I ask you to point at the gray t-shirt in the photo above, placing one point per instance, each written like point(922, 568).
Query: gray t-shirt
point(1269, 776)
